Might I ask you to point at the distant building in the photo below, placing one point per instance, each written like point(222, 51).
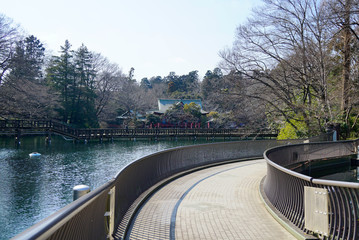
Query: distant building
point(165, 104)
point(128, 116)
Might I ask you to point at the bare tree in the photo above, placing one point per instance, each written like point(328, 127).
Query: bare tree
point(22, 95)
point(108, 82)
point(281, 54)
point(8, 37)
point(134, 98)
point(343, 14)
point(22, 98)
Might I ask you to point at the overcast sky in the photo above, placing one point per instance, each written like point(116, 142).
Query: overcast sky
point(154, 37)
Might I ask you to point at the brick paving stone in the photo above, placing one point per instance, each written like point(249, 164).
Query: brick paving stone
point(224, 203)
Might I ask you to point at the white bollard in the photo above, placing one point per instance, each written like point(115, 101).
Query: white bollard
point(79, 191)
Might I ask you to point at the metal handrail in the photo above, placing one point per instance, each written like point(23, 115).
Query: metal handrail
point(286, 170)
point(52, 225)
point(282, 186)
point(335, 183)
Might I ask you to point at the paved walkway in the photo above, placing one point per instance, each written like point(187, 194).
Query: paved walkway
point(222, 202)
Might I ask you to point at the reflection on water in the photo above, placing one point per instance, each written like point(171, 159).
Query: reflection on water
point(348, 174)
point(33, 188)
point(339, 169)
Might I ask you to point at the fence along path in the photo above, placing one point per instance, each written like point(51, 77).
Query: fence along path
point(22, 127)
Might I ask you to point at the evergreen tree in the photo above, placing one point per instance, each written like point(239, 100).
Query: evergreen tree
point(61, 77)
point(28, 59)
point(145, 83)
point(72, 75)
point(35, 53)
point(85, 92)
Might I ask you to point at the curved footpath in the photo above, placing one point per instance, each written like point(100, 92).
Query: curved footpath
point(221, 202)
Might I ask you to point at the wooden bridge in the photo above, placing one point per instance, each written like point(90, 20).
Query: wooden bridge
point(32, 127)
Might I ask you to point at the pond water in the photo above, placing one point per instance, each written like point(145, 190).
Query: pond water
point(348, 174)
point(338, 169)
point(33, 188)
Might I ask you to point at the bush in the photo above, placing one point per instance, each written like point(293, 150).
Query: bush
point(290, 132)
point(213, 114)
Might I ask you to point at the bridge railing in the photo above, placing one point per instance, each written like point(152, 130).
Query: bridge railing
point(96, 133)
point(284, 188)
point(24, 124)
point(84, 218)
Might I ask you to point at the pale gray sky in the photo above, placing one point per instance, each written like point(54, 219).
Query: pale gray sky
point(153, 36)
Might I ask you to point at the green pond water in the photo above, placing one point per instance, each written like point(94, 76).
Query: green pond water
point(33, 188)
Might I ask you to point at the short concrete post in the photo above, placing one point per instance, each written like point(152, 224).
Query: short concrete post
point(79, 191)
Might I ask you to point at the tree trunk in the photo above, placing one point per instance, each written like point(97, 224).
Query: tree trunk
point(346, 61)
